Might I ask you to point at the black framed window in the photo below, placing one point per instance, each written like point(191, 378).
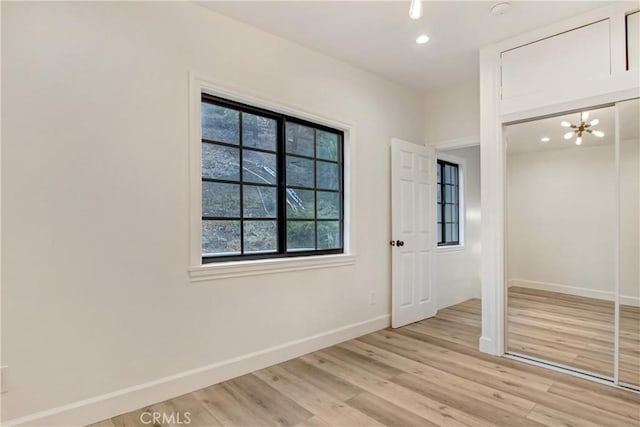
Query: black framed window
point(272, 185)
point(448, 199)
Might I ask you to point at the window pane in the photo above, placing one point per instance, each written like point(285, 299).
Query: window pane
point(449, 196)
point(439, 212)
point(328, 175)
point(220, 162)
point(439, 193)
point(329, 235)
point(220, 238)
point(258, 132)
point(300, 140)
point(448, 213)
point(438, 172)
point(221, 200)
point(327, 145)
point(454, 175)
point(301, 235)
point(328, 205)
point(299, 172)
point(447, 232)
point(454, 232)
point(244, 210)
point(259, 167)
point(220, 124)
point(260, 236)
point(439, 232)
point(449, 171)
point(259, 202)
point(300, 203)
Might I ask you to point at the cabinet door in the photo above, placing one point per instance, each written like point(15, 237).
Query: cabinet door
point(552, 63)
point(633, 41)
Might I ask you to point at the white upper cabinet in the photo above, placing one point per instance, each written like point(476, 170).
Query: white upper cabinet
point(633, 41)
point(553, 63)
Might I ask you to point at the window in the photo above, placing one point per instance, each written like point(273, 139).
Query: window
point(448, 203)
point(272, 185)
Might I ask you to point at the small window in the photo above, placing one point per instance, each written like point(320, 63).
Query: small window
point(272, 185)
point(448, 199)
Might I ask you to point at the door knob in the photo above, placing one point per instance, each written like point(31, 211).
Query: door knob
point(393, 243)
point(400, 243)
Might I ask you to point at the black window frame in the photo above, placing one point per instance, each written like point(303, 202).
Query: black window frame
point(441, 185)
point(280, 185)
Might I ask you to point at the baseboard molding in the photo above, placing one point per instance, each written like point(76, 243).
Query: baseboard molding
point(573, 290)
point(128, 399)
point(487, 345)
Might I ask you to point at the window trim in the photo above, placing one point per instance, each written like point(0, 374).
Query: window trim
point(461, 163)
point(244, 266)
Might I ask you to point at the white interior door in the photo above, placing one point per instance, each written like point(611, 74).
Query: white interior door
point(412, 227)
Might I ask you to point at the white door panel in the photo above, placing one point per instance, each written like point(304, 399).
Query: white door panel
point(413, 227)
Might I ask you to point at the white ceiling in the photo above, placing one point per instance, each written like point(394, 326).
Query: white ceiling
point(379, 36)
point(525, 137)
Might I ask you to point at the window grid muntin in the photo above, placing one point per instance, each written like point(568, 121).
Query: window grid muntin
point(241, 182)
point(280, 185)
point(316, 189)
point(445, 239)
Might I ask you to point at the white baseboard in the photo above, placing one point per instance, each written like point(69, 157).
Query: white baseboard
point(574, 290)
point(487, 345)
point(128, 399)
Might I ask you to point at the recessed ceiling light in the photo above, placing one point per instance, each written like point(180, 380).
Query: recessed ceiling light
point(545, 139)
point(422, 39)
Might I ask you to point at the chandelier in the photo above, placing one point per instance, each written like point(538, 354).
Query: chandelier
point(582, 129)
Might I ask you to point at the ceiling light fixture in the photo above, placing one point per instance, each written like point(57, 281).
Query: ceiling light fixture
point(545, 139)
point(422, 39)
point(415, 10)
point(582, 129)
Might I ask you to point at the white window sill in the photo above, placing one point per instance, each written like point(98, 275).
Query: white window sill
point(225, 270)
point(453, 248)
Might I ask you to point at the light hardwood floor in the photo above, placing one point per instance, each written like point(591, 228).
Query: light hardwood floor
point(573, 331)
point(425, 374)
point(630, 344)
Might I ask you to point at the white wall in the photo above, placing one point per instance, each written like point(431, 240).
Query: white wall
point(630, 221)
point(453, 112)
point(457, 270)
point(95, 292)
point(561, 216)
point(452, 116)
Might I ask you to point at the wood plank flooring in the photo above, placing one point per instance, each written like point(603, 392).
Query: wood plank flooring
point(630, 344)
point(429, 373)
point(573, 331)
